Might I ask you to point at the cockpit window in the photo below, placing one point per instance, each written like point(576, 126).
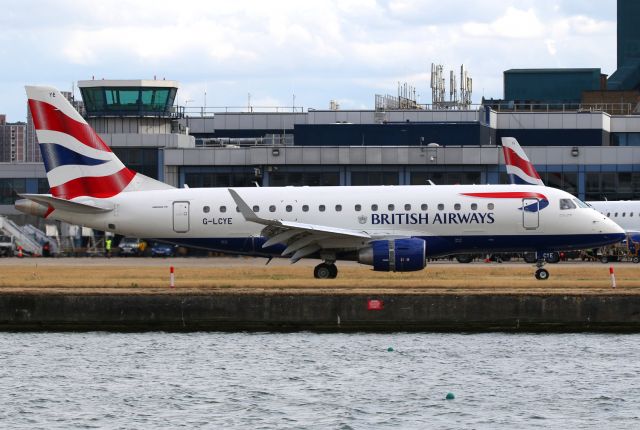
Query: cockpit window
point(566, 204)
point(581, 204)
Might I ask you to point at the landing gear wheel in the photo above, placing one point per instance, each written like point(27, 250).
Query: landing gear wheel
point(604, 259)
point(542, 274)
point(325, 271)
point(636, 259)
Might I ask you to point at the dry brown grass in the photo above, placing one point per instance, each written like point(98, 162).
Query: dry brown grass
point(126, 276)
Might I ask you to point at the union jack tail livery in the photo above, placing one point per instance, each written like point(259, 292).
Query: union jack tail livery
point(77, 161)
point(519, 168)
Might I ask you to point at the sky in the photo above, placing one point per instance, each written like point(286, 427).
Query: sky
point(277, 53)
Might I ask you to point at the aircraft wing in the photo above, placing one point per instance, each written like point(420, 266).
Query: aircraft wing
point(301, 239)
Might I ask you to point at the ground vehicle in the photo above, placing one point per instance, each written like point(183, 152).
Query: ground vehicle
point(159, 249)
point(6, 246)
point(129, 246)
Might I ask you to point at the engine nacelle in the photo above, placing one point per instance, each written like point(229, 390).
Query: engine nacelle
point(396, 255)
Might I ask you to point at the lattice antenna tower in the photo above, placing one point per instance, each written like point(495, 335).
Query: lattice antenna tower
point(466, 87)
point(437, 84)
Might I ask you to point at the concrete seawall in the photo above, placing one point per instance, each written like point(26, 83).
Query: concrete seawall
point(322, 312)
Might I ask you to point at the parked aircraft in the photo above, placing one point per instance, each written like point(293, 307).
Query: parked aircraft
point(626, 213)
point(392, 228)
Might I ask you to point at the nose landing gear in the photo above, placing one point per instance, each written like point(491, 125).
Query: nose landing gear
point(325, 270)
point(541, 274)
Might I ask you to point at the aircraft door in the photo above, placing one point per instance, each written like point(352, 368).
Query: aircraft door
point(181, 217)
point(530, 213)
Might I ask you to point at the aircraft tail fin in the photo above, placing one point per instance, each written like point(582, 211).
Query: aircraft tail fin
point(77, 161)
point(519, 168)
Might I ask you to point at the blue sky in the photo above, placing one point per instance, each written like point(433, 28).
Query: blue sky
point(347, 50)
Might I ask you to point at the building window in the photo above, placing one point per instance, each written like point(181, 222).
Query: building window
point(374, 178)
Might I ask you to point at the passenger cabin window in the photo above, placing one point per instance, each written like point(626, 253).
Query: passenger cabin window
point(358, 208)
point(321, 208)
point(374, 207)
point(391, 208)
point(424, 206)
point(490, 206)
point(223, 209)
point(305, 208)
point(624, 214)
point(615, 215)
point(237, 209)
point(566, 204)
point(474, 206)
point(440, 206)
point(272, 208)
point(457, 206)
point(338, 208)
point(206, 209)
point(407, 207)
point(608, 214)
point(288, 208)
point(256, 208)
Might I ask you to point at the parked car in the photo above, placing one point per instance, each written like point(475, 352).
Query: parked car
point(129, 246)
point(159, 249)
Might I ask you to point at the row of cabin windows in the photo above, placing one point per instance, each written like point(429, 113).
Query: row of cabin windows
point(357, 208)
point(615, 215)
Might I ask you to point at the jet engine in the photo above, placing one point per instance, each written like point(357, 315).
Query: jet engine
point(395, 255)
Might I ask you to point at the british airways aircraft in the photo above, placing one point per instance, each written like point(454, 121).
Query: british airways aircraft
point(625, 213)
point(392, 228)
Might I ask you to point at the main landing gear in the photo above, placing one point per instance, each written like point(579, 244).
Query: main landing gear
point(325, 271)
point(541, 274)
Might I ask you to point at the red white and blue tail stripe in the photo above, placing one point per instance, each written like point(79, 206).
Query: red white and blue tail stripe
point(519, 168)
point(78, 162)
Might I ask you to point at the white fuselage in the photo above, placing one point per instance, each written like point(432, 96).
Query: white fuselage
point(625, 213)
point(451, 219)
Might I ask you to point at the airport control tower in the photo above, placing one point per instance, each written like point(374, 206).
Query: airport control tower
point(137, 119)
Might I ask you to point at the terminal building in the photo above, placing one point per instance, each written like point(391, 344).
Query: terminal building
point(579, 127)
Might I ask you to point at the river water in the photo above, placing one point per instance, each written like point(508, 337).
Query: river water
point(307, 380)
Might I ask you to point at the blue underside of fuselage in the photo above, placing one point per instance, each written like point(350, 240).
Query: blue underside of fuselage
point(436, 246)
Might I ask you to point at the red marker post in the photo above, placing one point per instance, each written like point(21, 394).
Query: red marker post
point(172, 278)
point(613, 277)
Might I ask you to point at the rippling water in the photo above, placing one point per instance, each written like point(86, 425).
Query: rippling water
point(305, 380)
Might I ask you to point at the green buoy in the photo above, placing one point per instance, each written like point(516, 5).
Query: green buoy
point(390, 349)
point(450, 396)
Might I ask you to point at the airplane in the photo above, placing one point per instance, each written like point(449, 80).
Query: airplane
point(625, 213)
point(391, 228)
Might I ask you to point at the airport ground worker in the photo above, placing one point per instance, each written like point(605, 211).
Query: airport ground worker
point(107, 247)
